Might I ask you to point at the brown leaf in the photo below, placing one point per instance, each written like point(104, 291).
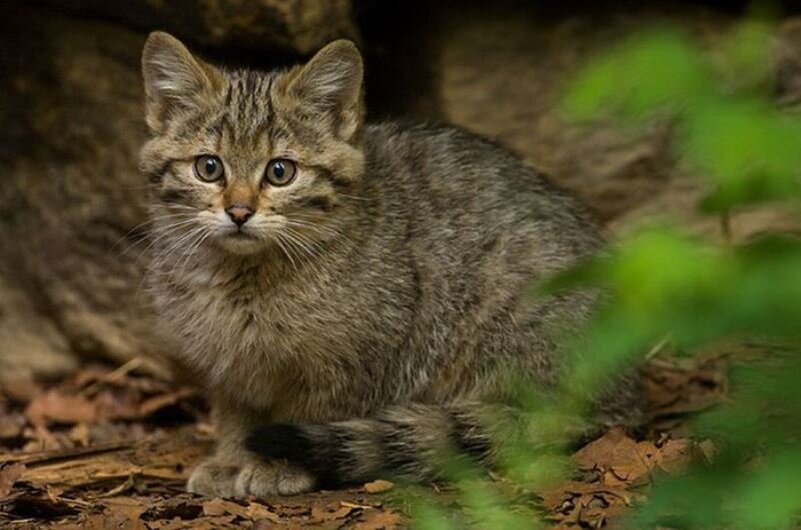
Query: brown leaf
point(149, 406)
point(330, 511)
point(622, 461)
point(176, 508)
point(378, 520)
point(8, 477)
point(21, 389)
point(80, 434)
point(258, 512)
point(378, 486)
point(264, 524)
point(41, 439)
point(218, 506)
point(111, 405)
point(585, 505)
point(214, 507)
point(56, 406)
point(673, 456)
point(125, 507)
point(616, 455)
point(11, 425)
point(679, 386)
point(112, 520)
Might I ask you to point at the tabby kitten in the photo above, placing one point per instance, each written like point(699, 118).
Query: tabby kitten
point(349, 293)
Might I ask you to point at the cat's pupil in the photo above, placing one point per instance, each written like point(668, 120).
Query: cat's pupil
point(211, 166)
point(278, 170)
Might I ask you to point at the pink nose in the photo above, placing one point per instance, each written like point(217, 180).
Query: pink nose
point(239, 213)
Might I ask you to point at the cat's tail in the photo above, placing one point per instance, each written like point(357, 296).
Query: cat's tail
point(402, 441)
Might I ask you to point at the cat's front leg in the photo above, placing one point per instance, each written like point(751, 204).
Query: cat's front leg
point(233, 471)
point(220, 477)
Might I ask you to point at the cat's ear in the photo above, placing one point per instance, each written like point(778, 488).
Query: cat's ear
point(174, 79)
point(331, 84)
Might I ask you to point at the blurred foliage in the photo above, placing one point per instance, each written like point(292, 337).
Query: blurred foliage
point(719, 101)
point(663, 282)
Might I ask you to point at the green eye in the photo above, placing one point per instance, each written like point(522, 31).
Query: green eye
point(208, 168)
point(280, 172)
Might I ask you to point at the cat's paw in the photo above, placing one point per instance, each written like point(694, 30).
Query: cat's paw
point(213, 478)
point(216, 478)
point(264, 479)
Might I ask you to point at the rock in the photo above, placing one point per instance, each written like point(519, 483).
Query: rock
point(30, 343)
point(503, 75)
point(293, 26)
point(71, 191)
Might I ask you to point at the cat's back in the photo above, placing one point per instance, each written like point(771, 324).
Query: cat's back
point(464, 193)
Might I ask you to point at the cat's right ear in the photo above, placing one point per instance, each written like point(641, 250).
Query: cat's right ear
point(175, 81)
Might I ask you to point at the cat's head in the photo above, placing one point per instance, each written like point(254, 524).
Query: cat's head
point(242, 160)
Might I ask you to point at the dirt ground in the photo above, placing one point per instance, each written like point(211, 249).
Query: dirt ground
point(111, 448)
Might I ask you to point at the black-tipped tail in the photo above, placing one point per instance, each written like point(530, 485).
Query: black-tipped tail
point(404, 442)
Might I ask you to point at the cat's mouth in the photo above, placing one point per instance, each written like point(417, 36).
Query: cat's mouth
point(239, 234)
point(240, 242)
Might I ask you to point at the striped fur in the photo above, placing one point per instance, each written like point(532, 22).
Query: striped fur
point(404, 441)
point(369, 316)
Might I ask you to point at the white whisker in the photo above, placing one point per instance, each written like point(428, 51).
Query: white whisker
point(278, 240)
point(183, 219)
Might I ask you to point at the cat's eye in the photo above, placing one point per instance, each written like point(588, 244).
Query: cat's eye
point(280, 172)
point(208, 168)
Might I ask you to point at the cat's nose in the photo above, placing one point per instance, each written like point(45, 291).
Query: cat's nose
point(239, 213)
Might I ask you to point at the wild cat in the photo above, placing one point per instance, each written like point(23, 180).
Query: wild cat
point(351, 294)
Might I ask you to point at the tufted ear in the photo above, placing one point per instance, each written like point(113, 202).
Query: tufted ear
point(331, 84)
point(174, 79)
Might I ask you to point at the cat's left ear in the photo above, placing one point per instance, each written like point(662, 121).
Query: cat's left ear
point(331, 84)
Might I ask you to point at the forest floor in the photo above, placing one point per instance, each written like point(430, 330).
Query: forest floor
point(111, 448)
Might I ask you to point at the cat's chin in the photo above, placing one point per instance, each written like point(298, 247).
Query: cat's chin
point(240, 244)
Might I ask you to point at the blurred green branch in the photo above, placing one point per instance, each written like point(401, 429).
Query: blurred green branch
point(661, 282)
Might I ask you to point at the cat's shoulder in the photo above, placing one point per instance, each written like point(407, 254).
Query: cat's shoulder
point(411, 130)
point(436, 141)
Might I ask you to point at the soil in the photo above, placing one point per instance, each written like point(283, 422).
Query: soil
point(111, 448)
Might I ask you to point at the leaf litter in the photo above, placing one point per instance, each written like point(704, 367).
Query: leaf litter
point(112, 448)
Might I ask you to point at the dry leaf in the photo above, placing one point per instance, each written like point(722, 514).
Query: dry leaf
point(378, 520)
point(707, 449)
point(676, 386)
point(22, 389)
point(130, 508)
point(11, 425)
point(8, 477)
point(80, 434)
point(616, 455)
point(258, 512)
point(117, 521)
point(149, 406)
point(218, 506)
point(673, 456)
point(378, 486)
point(331, 511)
point(60, 407)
